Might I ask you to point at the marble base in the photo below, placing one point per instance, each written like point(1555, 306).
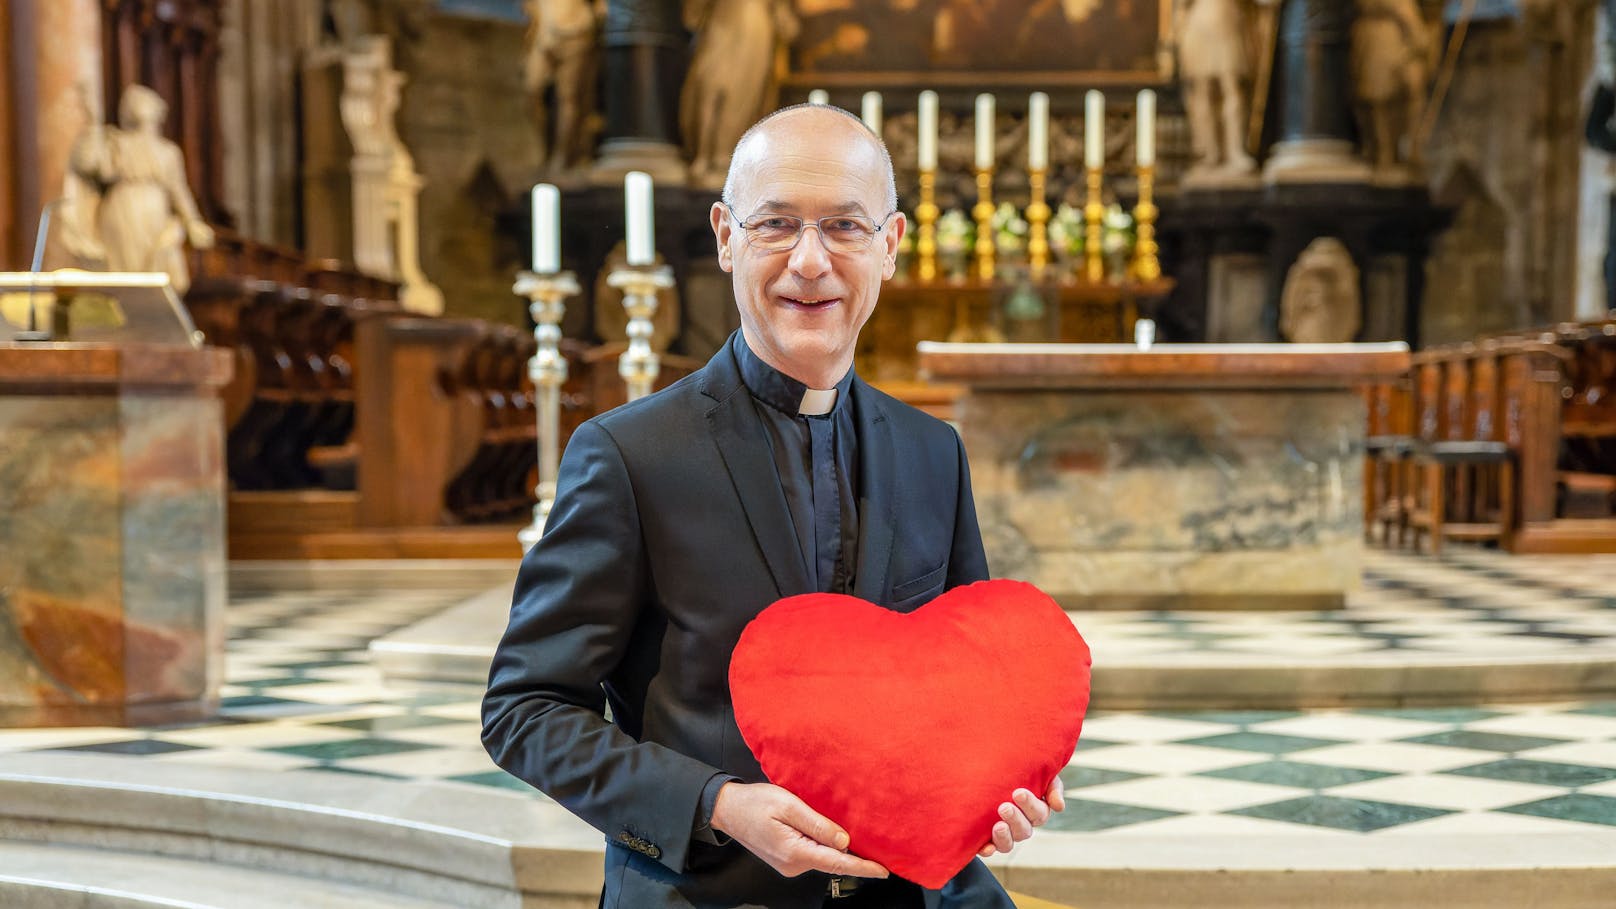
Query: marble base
point(1185, 499)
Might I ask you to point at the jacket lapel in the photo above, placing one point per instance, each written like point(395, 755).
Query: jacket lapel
point(741, 443)
point(878, 478)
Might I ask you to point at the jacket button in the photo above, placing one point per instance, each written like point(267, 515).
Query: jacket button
point(653, 852)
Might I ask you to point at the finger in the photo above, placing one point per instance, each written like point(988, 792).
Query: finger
point(1001, 837)
point(988, 851)
point(1020, 827)
point(1033, 807)
point(830, 861)
point(814, 825)
point(1056, 798)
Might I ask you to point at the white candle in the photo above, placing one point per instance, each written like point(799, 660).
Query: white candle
point(1145, 144)
point(984, 131)
point(546, 229)
point(928, 130)
point(871, 111)
point(1038, 131)
point(819, 96)
point(637, 192)
point(1094, 129)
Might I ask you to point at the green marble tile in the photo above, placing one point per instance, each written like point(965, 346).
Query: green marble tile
point(391, 723)
point(1228, 717)
point(1602, 708)
point(1084, 816)
point(354, 771)
point(1360, 815)
point(1296, 773)
point(1078, 777)
point(497, 779)
point(1262, 742)
point(1484, 741)
point(1455, 715)
point(1546, 773)
point(349, 748)
point(1091, 744)
point(1575, 806)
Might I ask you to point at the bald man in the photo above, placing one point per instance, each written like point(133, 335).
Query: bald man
point(772, 471)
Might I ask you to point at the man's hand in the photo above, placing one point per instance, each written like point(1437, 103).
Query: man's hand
point(1021, 814)
point(783, 831)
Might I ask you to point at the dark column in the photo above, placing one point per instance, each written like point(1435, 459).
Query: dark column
point(645, 56)
point(1316, 134)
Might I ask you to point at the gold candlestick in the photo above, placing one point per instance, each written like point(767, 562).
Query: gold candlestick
point(1093, 213)
point(983, 212)
point(639, 364)
point(1146, 267)
point(547, 301)
point(1038, 224)
point(926, 216)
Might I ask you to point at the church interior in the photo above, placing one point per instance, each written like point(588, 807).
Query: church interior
point(1280, 334)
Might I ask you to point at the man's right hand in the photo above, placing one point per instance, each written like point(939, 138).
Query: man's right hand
point(783, 831)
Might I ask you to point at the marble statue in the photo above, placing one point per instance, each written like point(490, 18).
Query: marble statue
point(1390, 62)
point(562, 53)
point(145, 213)
point(1321, 302)
point(731, 82)
point(1215, 65)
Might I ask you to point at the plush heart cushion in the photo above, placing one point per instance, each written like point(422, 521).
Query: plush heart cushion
point(910, 730)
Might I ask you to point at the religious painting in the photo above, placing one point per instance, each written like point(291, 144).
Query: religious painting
point(980, 42)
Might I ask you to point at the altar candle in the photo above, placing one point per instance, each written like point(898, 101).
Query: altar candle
point(1094, 129)
point(819, 96)
point(637, 209)
point(546, 229)
point(928, 130)
point(1038, 131)
point(984, 131)
point(1145, 144)
point(871, 111)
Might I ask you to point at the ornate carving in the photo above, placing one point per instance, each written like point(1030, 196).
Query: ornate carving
point(1321, 302)
point(1391, 69)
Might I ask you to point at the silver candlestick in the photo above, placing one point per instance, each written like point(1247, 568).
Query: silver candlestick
point(547, 295)
point(639, 283)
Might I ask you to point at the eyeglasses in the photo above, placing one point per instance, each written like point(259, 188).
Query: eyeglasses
point(839, 233)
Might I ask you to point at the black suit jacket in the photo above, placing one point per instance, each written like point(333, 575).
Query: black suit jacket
point(668, 534)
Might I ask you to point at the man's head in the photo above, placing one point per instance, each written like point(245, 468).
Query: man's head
point(802, 308)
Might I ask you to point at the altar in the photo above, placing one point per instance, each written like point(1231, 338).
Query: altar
point(1183, 476)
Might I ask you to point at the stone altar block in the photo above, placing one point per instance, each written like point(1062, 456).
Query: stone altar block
point(112, 562)
point(1193, 476)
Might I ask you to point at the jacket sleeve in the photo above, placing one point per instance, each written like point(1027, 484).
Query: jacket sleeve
point(967, 563)
point(1598, 129)
point(581, 592)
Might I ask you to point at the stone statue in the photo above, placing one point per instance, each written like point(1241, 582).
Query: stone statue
point(563, 52)
point(732, 77)
point(145, 212)
point(1321, 301)
point(1215, 64)
point(1391, 70)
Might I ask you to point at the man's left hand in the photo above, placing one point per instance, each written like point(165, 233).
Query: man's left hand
point(1022, 814)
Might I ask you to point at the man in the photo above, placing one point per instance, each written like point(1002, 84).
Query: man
point(772, 471)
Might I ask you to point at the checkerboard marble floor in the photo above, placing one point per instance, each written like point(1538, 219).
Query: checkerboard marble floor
point(302, 694)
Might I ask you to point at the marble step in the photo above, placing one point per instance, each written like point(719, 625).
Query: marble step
point(255, 576)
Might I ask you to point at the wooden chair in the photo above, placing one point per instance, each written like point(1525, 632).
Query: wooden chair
point(1387, 447)
point(1464, 466)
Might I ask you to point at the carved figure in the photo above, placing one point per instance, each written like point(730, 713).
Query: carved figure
point(1215, 66)
point(1391, 72)
point(732, 80)
point(1321, 302)
point(146, 212)
point(562, 54)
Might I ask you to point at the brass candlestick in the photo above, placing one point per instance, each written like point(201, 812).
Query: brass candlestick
point(639, 283)
point(1093, 213)
point(983, 212)
point(1038, 224)
point(926, 216)
point(1146, 267)
point(547, 301)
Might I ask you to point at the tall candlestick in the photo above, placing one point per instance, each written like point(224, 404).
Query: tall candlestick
point(547, 294)
point(546, 229)
point(1094, 129)
point(819, 96)
point(637, 191)
point(1145, 143)
point(928, 130)
point(984, 131)
point(870, 111)
point(1038, 131)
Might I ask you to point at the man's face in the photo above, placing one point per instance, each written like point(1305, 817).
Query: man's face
point(801, 309)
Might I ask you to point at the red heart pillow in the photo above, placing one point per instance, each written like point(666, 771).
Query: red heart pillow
point(910, 730)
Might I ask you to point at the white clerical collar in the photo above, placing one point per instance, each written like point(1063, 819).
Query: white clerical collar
point(816, 402)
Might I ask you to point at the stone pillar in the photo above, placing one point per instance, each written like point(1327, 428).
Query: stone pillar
point(645, 59)
point(56, 49)
point(1316, 136)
